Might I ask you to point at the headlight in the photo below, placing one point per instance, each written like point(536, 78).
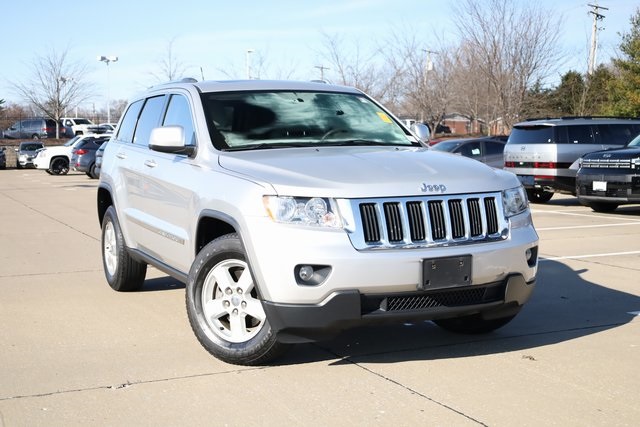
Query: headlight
point(514, 201)
point(636, 162)
point(313, 211)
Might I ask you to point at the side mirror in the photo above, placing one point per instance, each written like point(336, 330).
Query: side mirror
point(170, 139)
point(421, 131)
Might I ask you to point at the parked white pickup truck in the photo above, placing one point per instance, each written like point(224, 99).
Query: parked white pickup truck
point(79, 126)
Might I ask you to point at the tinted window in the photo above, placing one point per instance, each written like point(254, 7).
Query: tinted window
point(149, 119)
point(531, 135)
point(470, 149)
point(580, 135)
point(492, 147)
point(128, 125)
point(616, 134)
point(178, 113)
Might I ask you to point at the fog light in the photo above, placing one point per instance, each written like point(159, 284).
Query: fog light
point(306, 272)
point(311, 274)
point(531, 256)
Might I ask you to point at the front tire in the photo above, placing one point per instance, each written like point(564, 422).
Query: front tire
point(59, 166)
point(473, 324)
point(123, 273)
point(603, 207)
point(539, 196)
point(224, 308)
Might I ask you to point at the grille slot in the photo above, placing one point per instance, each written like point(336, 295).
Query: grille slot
point(416, 221)
point(394, 221)
point(438, 226)
point(475, 217)
point(371, 226)
point(445, 298)
point(428, 221)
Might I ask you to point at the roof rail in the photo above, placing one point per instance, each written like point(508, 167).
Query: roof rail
point(582, 117)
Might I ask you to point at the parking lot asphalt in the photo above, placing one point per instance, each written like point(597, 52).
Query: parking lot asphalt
point(73, 352)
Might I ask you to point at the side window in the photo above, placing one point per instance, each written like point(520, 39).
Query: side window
point(615, 134)
point(580, 134)
point(149, 119)
point(178, 113)
point(128, 125)
point(492, 148)
point(471, 149)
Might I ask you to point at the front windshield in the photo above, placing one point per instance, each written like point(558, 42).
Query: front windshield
point(245, 120)
point(635, 142)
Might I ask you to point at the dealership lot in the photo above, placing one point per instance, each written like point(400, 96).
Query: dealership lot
point(75, 353)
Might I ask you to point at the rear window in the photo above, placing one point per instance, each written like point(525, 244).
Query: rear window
point(539, 134)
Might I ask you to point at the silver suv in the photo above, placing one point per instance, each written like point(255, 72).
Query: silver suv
point(294, 210)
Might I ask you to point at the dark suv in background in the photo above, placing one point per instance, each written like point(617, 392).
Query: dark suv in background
point(543, 152)
point(607, 179)
point(34, 128)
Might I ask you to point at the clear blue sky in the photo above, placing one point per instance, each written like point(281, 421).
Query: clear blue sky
point(214, 35)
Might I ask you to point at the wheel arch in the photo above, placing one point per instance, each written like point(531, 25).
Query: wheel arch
point(104, 200)
point(58, 156)
point(211, 225)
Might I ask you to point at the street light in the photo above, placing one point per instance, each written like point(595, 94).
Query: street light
point(107, 60)
point(248, 63)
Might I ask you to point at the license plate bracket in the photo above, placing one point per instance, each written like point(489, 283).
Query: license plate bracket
point(449, 272)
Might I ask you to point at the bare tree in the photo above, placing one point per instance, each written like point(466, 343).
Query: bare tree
point(422, 73)
point(511, 45)
point(55, 86)
point(169, 68)
point(354, 66)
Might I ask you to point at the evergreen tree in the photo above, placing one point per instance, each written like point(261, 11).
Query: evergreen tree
point(625, 88)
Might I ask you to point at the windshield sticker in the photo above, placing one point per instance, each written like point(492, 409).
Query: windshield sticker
point(384, 117)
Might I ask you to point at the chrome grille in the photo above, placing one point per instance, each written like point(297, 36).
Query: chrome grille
point(427, 221)
point(606, 163)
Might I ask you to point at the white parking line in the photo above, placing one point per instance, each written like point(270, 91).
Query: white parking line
point(587, 215)
point(588, 256)
point(587, 226)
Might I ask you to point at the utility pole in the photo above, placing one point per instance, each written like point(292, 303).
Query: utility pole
point(321, 68)
point(597, 16)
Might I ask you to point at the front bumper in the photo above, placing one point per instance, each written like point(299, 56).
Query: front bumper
point(310, 322)
point(618, 187)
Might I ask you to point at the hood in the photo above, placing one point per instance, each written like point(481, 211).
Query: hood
point(616, 153)
point(361, 172)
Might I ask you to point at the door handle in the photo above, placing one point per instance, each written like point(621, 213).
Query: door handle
point(150, 163)
point(121, 155)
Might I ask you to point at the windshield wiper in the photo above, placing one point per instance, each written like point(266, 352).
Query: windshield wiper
point(364, 142)
point(266, 145)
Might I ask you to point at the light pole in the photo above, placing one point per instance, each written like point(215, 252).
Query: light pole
point(107, 60)
point(248, 63)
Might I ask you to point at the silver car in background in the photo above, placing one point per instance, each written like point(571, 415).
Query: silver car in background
point(541, 152)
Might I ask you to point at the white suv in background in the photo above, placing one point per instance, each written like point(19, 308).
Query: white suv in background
point(55, 160)
point(294, 210)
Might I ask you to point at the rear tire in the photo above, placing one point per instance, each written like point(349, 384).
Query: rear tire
point(92, 172)
point(473, 324)
point(539, 196)
point(224, 308)
point(603, 206)
point(123, 273)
